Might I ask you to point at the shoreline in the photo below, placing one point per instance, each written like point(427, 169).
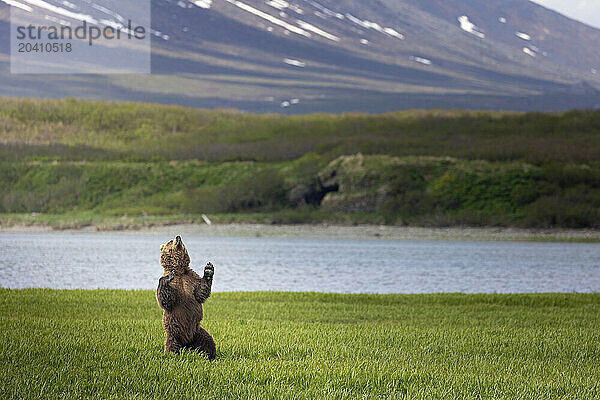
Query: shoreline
point(326, 231)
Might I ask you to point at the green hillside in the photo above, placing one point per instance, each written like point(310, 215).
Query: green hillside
point(83, 130)
point(435, 168)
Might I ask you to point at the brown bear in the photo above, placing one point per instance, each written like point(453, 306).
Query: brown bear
point(180, 294)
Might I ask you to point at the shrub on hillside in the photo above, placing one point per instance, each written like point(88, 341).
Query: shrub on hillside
point(562, 211)
point(261, 191)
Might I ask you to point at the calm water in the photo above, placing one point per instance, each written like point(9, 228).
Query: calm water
point(125, 261)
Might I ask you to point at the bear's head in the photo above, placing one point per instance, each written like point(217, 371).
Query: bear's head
point(174, 257)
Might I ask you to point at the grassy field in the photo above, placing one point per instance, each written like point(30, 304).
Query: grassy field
point(75, 130)
point(108, 344)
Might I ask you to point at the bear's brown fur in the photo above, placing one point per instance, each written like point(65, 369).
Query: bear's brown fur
point(180, 294)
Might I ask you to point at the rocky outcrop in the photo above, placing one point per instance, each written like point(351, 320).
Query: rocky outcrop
point(345, 185)
point(312, 193)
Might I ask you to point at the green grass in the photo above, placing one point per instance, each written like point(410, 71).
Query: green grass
point(108, 344)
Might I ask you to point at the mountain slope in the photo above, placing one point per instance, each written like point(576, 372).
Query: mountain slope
point(348, 55)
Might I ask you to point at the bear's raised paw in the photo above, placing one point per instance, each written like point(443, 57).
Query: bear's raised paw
point(209, 271)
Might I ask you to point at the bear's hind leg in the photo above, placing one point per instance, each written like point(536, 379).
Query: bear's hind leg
point(204, 342)
point(172, 345)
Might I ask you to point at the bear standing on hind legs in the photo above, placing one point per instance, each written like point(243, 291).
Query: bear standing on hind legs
point(180, 294)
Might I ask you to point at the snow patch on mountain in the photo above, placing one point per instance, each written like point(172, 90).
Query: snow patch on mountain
point(375, 26)
point(70, 5)
point(16, 4)
point(57, 20)
point(270, 18)
point(62, 11)
point(295, 8)
point(278, 4)
point(204, 3)
point(159, 34)
point(420, 60)
point(318, 31)
point(393, 33)
point(468, 26)
point(108, 12)
point(326, 10)
point(295, 63)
